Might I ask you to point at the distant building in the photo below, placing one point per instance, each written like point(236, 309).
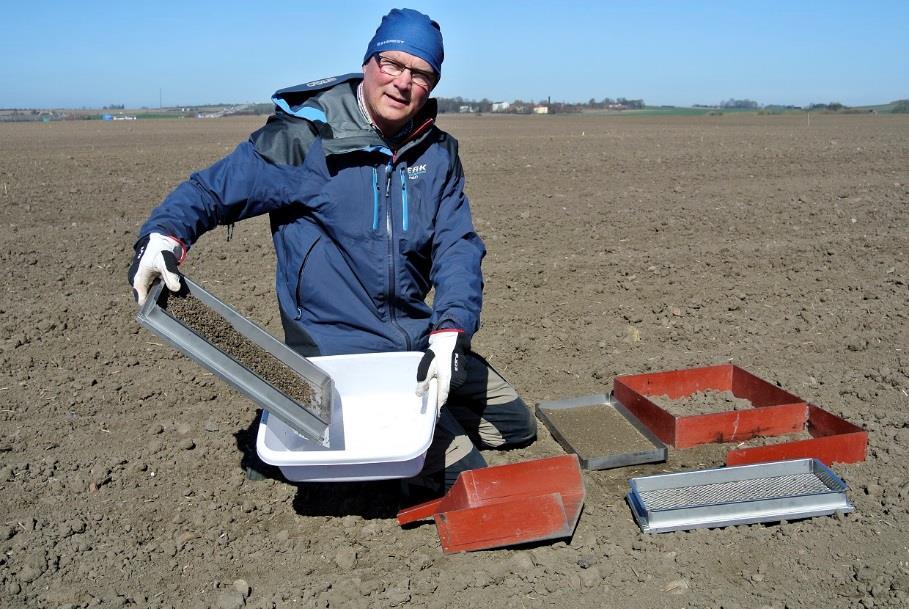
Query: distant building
point(541, 109)
point(466, 109)
point(500, 106)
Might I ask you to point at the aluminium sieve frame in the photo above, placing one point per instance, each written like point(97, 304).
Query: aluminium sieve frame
point(309, 420)
point(728, 513)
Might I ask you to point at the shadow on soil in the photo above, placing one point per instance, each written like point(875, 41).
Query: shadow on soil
point(378, 499)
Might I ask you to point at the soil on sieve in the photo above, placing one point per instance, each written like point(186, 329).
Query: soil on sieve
point(701, 402)
point(210, 326)
point(616, 245)
point(597, 431)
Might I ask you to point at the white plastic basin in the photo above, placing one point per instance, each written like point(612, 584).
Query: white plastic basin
point(379, 427)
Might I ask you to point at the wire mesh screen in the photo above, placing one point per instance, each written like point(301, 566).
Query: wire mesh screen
point(776, 487)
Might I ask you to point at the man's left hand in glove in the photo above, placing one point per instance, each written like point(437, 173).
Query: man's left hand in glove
point(446, 361)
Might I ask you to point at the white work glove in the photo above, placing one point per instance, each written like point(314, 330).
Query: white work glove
point(446, 361)
point(156, 256)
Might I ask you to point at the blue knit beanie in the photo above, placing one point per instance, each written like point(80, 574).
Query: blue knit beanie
point(409, 31)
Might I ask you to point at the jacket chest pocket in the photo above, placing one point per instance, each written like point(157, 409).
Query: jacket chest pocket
point(417, 225)
point(416, 208)
point(353, 203)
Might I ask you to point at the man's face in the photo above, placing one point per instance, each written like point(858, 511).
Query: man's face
point(394, 100)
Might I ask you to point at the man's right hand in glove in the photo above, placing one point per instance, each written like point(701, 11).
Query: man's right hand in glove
point(446, 361)
point(157, 255)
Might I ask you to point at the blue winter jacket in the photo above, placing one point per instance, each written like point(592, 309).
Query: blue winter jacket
point(361, 232)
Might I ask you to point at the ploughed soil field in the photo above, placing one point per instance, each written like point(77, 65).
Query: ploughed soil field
point(617, 245)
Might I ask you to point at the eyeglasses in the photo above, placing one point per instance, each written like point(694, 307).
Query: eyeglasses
point(395, 68)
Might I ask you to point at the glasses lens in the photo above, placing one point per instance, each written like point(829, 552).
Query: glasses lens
point(390, 66)
point(419, 78)
point(393, 68)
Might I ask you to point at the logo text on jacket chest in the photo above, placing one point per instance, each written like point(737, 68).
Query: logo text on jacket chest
point(416, 171)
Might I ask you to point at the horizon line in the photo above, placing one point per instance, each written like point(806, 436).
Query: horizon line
point(464, 100)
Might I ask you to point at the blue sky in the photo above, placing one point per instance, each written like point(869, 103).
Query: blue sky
point(89, 54)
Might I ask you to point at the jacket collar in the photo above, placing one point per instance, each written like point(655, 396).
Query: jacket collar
point(331, 104)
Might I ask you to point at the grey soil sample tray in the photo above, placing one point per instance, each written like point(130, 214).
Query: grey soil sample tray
point(308, 412)
point(601, 432)
point(764, 492)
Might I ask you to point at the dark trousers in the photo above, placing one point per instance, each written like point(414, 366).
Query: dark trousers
point(485, 412)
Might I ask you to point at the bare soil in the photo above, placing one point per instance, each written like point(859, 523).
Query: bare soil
point(758, 441)
point(701, 402)
point(617, 245)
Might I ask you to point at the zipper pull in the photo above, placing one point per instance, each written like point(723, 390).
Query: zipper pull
point(388, 170)
point(299, 314)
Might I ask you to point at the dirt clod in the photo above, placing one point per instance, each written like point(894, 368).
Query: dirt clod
point(230, 599)
point(242, 586)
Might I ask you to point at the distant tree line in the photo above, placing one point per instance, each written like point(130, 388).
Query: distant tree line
point(901, 106)
point(740, 104)
point(747, 104)
point(619, 103)
point(520, 106)
point(454, 104)
point(257, 109)
point(831, 107)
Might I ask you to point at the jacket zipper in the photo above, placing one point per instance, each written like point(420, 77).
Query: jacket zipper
point(389, 225)
point(404, 209)
point(297, 297)
point(388, 221)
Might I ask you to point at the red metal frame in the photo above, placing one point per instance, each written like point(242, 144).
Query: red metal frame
point(776, 412)
point(833, 440)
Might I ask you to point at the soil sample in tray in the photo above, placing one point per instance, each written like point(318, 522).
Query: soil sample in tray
point(195, 315)
point(599, 434)
point(701, 402)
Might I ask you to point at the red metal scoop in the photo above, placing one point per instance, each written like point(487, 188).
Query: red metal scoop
point(506, 505)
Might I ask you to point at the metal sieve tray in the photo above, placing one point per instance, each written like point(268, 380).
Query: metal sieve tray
point(607, 454)
point(309, 420)
point(765, 492)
